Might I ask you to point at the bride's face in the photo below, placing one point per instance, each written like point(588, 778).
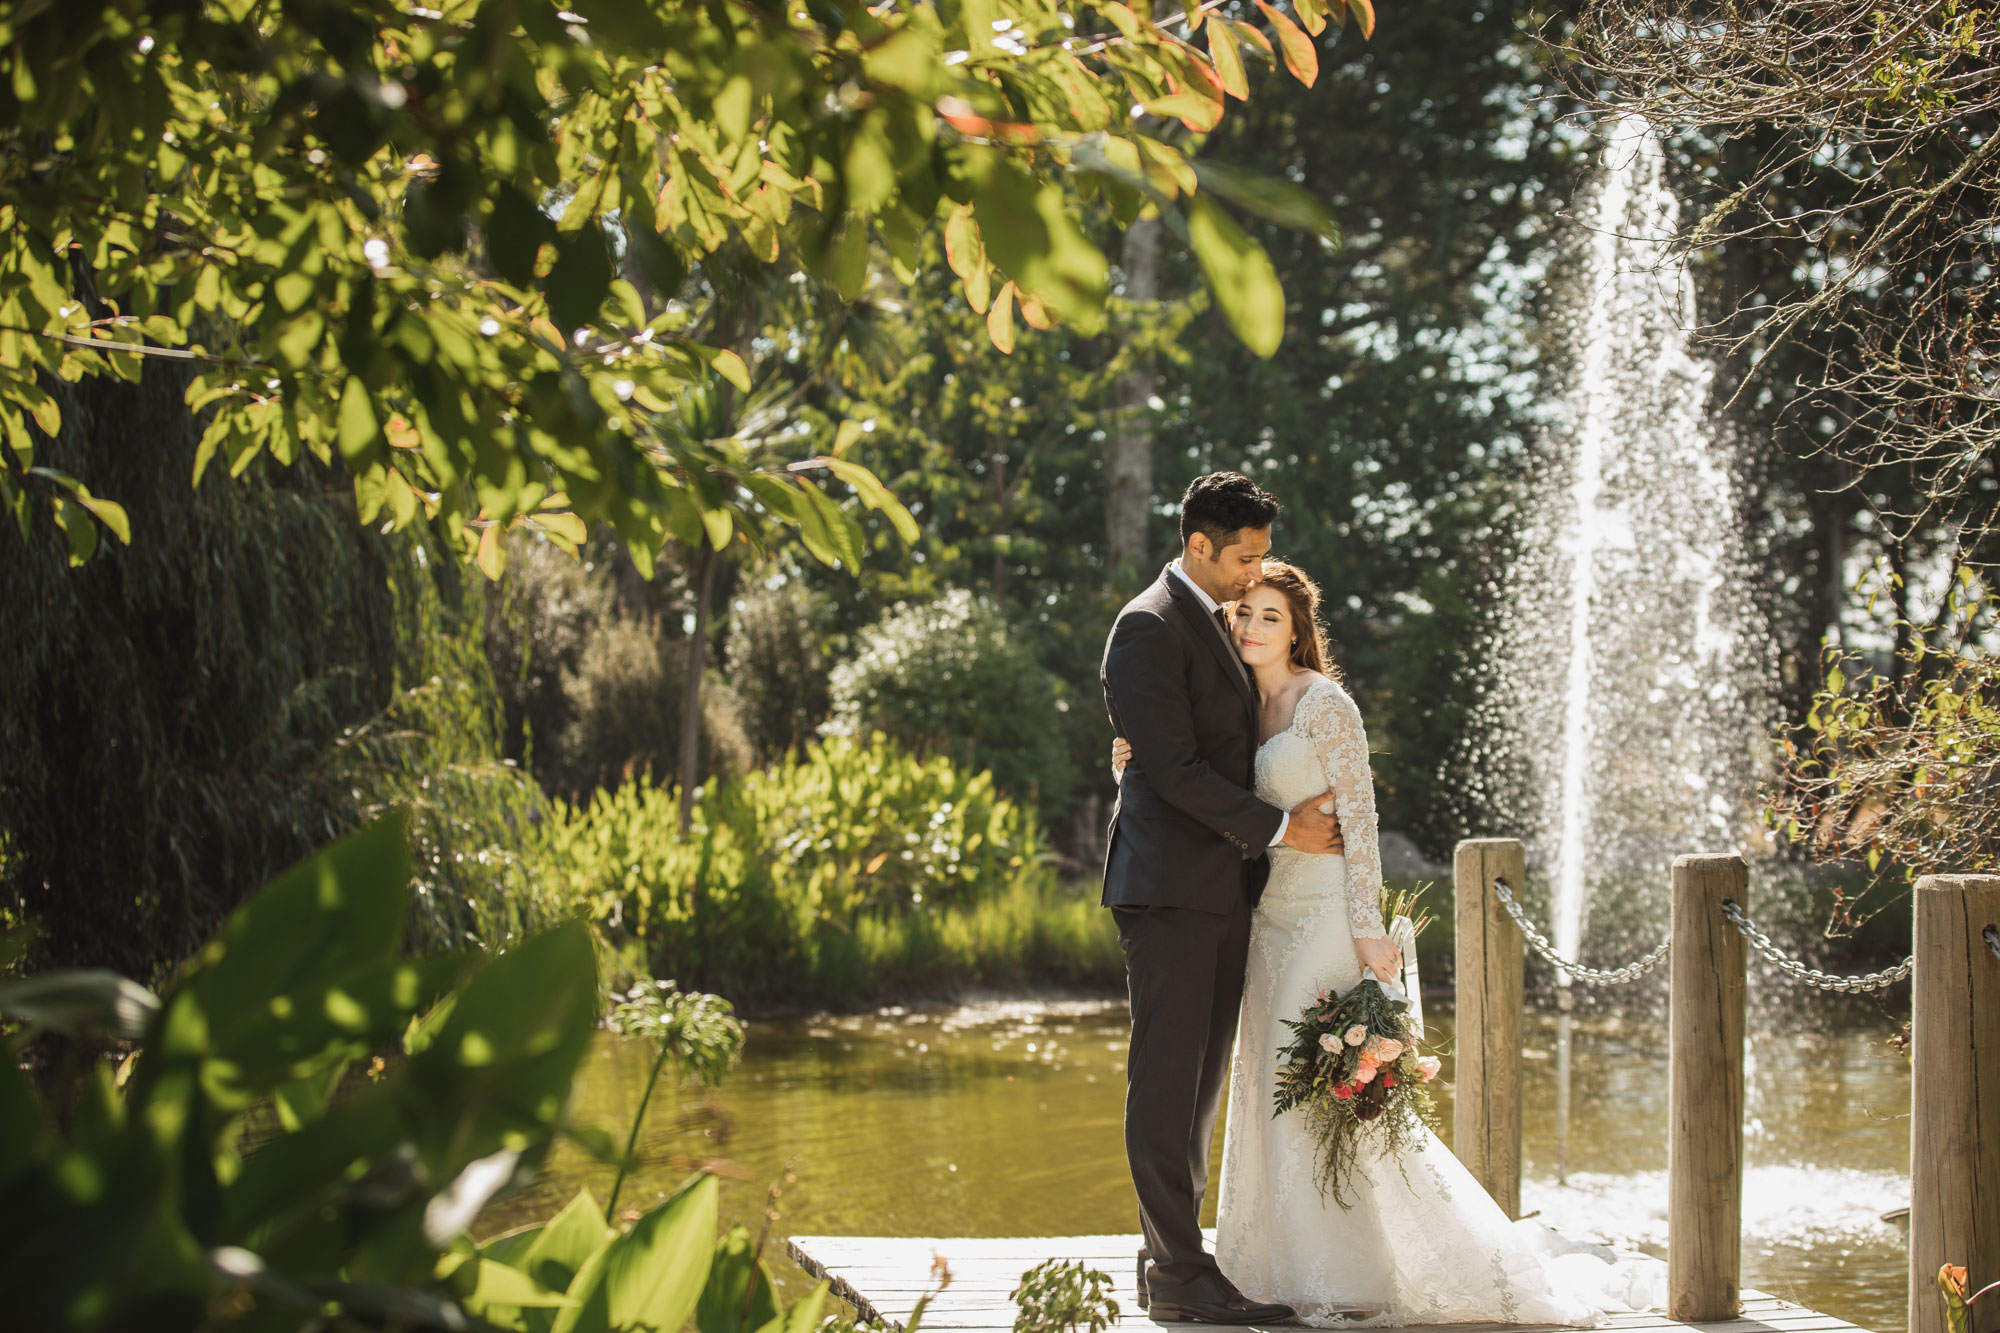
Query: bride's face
point(1262, 627)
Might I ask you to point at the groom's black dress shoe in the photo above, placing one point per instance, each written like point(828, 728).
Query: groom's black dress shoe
point(1210, 1299)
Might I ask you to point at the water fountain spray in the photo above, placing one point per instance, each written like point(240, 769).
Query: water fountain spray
point(1633, 668)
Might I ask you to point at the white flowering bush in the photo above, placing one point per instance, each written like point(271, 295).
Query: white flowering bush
point(945, 677)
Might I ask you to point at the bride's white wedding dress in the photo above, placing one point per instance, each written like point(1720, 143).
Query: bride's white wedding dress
point(1421, 1241)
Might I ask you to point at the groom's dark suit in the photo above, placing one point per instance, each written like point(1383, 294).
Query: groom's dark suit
point(1187, 861)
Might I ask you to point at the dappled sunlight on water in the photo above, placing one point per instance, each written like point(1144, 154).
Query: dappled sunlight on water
point(1004, 1119)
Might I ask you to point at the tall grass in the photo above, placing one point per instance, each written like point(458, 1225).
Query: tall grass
point(850, 873)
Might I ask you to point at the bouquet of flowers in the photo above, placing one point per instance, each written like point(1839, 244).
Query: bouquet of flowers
point(1353, 1068)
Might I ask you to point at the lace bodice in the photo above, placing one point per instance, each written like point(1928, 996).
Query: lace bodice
point(1422, 1243)
point(1327, 748)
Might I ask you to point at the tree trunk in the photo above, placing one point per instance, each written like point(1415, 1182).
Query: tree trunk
point(707, 560)
point(1131, 497)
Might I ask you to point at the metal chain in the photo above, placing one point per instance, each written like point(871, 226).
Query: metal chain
point(1812, 976)
point(1596, 976)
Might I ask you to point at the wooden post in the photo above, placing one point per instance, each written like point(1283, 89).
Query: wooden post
point(1705, 1091)
point(1486, 1111)
point(1955, 1096)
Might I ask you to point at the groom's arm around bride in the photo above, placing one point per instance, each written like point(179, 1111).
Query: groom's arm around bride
point(1187, 860)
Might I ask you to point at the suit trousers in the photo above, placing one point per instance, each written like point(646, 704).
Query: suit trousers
point(1184, 973)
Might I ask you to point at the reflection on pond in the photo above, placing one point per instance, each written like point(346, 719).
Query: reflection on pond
point(1004, 1119)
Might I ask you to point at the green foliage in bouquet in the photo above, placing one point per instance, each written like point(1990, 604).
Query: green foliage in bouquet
point(1352, 1063)
point(1062, 1295)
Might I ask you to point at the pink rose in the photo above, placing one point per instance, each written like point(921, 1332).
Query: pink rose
point(1328, 1042)
point(1355, 1035)
point(1365, 1074)
point(1427, 1067)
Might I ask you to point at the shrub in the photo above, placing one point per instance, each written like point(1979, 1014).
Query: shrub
point(624, 699)
point(779, 667)
point(944, 677)
point(851, 869)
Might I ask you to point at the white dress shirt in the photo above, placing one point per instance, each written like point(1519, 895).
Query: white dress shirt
point(1210, 605)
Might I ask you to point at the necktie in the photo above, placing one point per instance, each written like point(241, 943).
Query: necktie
point(1222, 623)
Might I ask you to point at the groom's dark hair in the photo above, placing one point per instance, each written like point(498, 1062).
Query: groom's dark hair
point(1222, 504)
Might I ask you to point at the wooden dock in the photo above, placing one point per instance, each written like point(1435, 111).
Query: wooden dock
point(883, 1277)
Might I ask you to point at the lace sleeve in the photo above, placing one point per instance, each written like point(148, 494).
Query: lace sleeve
point(1328, 718)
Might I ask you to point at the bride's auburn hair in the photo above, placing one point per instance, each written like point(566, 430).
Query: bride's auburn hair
point(1309, 650)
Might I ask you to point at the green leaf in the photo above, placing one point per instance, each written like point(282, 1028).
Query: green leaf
point(359, 430)
point(737, 1297)
point(845, 263)
point(876, 496)
point(497, 1288)
point(75, 522)
point(652, 1276)
point(1239, 275)
point(1271, 198)
point(562, 1247)
point(1228, 58)
point(90, 1000)
point(1029, 233)
point(23, 1132)
point(498, 1070)
point(803, 1317)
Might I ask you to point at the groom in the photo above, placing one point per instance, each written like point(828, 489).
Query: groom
point(1187, 862)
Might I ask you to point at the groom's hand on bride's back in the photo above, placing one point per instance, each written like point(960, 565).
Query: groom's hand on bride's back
point(1312, 829)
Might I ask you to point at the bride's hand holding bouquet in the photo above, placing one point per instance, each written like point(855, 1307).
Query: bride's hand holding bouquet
point(1353, 1068)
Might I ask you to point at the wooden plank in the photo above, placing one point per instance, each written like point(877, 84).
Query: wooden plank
point(1705, 1090)
point(1486, 1106)
point(1955, 1099)
point(884, 1277)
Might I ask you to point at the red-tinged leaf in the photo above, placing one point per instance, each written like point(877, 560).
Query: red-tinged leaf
point(1312, 14)
point(1195, 15)
point(1301, 54)
point(1000, 319)
point(1364, 14)
point(1036, 313)
point(1228, 58)
point(979, 288)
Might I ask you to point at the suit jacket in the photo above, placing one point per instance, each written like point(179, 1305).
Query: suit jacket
point(1188, 830)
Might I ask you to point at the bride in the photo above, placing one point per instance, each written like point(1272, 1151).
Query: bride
point(1420, 1242)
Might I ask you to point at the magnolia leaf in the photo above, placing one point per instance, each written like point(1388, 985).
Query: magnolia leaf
point(1364, 14)
point(1312, 14)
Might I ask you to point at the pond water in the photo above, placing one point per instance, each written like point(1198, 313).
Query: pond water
point(1003, 1119)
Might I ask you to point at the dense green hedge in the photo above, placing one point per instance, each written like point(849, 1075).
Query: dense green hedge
point(852, 871)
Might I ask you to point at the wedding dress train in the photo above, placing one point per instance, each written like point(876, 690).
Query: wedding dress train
point(1421, 1241)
